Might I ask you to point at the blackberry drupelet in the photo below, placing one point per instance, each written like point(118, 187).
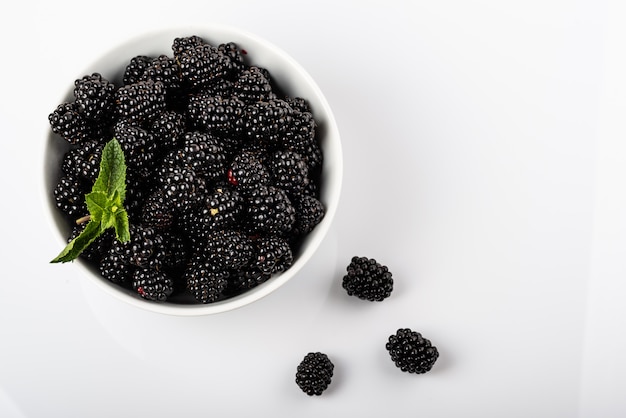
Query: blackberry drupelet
point(314, 373)
point(269, 211)
point(69, 195)
point(94, 96)
point(141, 101)
point(204, 281)
point(368, 280)
point(411, 352)
point(152, 285)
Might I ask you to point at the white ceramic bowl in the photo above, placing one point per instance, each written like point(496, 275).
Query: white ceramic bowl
point(290, 77)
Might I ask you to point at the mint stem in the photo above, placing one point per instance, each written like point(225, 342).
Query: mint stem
point(82, 220)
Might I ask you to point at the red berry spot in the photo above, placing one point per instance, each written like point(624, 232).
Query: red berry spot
point(231, 178)
point(141, 291)
point(244, 52)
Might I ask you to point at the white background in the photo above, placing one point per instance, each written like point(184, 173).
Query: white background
point(484, 164)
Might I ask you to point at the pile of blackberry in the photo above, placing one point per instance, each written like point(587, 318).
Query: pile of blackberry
point(223, 171)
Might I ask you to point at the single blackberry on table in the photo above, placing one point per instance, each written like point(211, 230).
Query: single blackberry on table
point(216, 114)
point(69, 123)
point(247, 171)
point(367, 279)
point(94, 96)
point(202, 65)
point(152, 284)
point(411, 352)
point(204, 281)
point(83, 161)
point(269, 211)
point(157, 212)
point(168, 128)
point(268, 121)
point(113, 268)
point(309, 212)
point(202, 153)
point(288, 171)
point(253, 85)
point(133, 72)
point(141, 101)
point(69, 196)
point(314, 373)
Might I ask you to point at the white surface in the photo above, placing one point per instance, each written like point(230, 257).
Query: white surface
point(484, 164)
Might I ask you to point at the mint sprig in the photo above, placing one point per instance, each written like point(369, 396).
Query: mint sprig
point(105, 204)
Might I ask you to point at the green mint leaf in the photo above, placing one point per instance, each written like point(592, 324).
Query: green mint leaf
point(78, 244)
point(104, 203)
point(122, 232)
point(112, 176)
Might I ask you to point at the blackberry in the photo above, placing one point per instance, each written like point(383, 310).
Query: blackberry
point(157, 212)
point(142, 249)
point(113, 268)
point(268, 121)
point(203, 64)
point(367, 279)
point(225, 206)
point(140, 101)
point(269, 211)
point(94, 96)
point(163, 69)
point(152, 285)
point(83, 161)
point(133, 72)
point(247, 171)
point(202, 153)
point(300, 137)
point(298, 104)
point(271, 255)
point(69, 195)
point(204, 281)
point(411, 352)
point(174, 249)
point(289, 171)
point(168, 128)
point(139, 146)
point(216, 114)
point(309, 212)
point(236, 56)
point(253, 85)
point(185, 43)
point(314, 373)
point(69, 123)
point(181, 186)
point(226, 249)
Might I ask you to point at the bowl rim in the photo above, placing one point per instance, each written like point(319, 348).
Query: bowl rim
point(332, 170)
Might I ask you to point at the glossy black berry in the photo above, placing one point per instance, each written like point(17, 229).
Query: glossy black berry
point(367, 279)
point(269, 211)
point(113, 268)
point(309, 212)
point(83, 161)
point(94, 96)
point(67, 122)
point(133, 72)
point(288, 171)
point(141, 101)
point(69, 196)
point(253, 85)
point(411, 352)
point(203, 64)
point(205, 281)
point(314, 373)
point(152, 284)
